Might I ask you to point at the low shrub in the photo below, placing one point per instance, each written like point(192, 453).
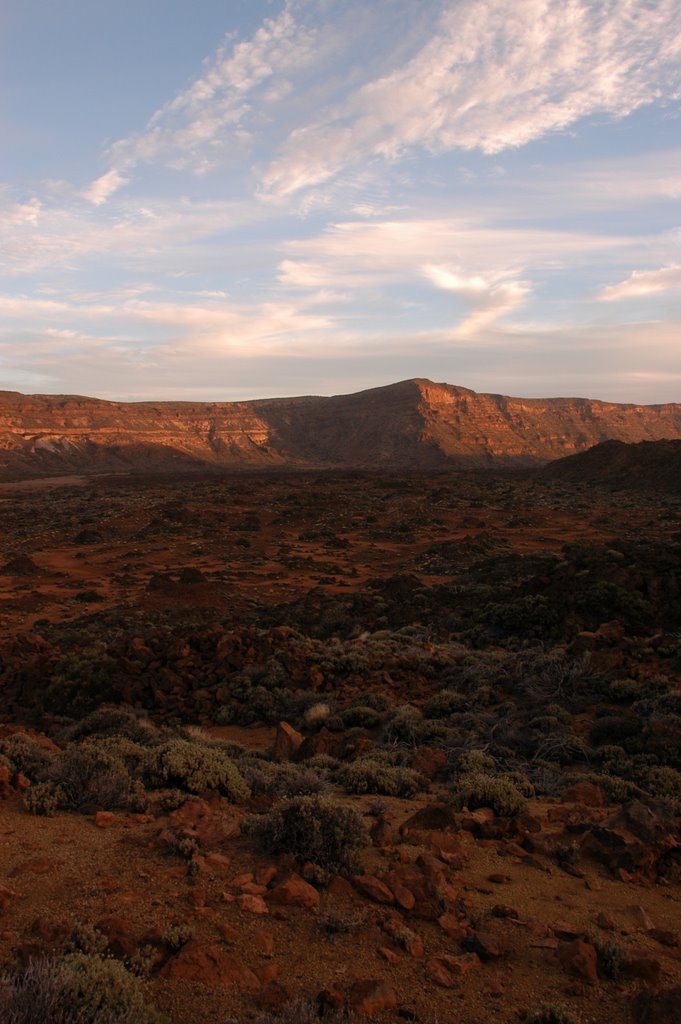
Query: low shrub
point(446, 703)
point(282, 780)
point(76, 989)
point(611, 959)
point(195, 767)
point(91, 779)
point(25, 755)
point(44, 798)
point(113, 720)
point(305, 1011)
point(314, 828)
point(481, 790)
point(367, 775)
point(549, 1015)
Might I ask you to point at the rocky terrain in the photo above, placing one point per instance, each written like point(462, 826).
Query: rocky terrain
point(415, 424)
point(305, 746)
point(648, 465)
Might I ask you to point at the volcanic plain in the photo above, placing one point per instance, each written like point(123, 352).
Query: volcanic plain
point(295, 745)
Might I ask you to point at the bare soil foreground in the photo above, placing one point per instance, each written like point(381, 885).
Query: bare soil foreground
point(297, 746)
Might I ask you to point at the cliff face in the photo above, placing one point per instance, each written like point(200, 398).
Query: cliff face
point(413, 424)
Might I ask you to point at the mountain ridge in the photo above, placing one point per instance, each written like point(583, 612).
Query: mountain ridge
point(411, 424)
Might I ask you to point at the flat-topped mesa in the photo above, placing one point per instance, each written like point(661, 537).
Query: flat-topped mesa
point(414, 424)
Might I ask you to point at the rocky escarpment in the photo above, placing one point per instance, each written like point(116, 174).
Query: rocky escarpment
point(413, 424)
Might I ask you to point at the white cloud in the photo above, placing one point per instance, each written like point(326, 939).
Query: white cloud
point(303, 99)
point(642, 283)
point(495, 74)
point(103, 188)
point(490, 296)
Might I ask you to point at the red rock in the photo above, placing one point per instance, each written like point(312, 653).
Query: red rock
point(499, 879)
point(265, 875)
point(273, 996)
point(287, 742)
point(49, 931)
point(104, 819)
point(241, 880)
point(294, 892)
point(218, 862)
point(665, 938)
point(389, 954)
point(374, 888)
point(209, 965)
point(6, 788)
point(403, 897)
point(642, 966)
point(119, 934)
point(606, 921)
point(251, 889)
point(339, 886)
point(502, 910)
point(452, 926)
point(661, 1007)
point(584, 793)
point(486, 945)
point(580, 958)
point(414, 946)
point(640, 917)
point(252, 904)
point(330, 1000)
point(447, 971)
point(36, 866)
point(371, 996)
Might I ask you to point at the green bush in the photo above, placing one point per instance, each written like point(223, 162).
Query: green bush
point(77, 989)
point(44, 798)
point(362, 716)
point(446, 703)
point(282, 780)
point(113, 720)
point(317, 829)
point(611, 959)
point(305, 1011)
point(481, 790)
point(195, 767)
point(549, 1015)
point(367, 775)
point(25, 755)
point(91, 778)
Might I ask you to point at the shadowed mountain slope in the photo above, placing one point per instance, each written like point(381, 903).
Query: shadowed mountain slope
point(412, 424)
point(648, 465)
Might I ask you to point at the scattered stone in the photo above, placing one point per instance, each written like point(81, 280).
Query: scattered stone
point(447, 971)
point(209, 965)
point(373, 888)
point(294, 892)
point(661, 1007)
point(579, 958)
point(287, 743)
point(371, 996)
point(640, 917)
point(584, 793)
point(252, 904)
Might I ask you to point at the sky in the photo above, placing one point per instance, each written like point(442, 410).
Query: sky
point(220, 200)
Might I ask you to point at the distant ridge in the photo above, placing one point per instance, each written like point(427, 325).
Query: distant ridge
point(414, 424)
point(648, 466)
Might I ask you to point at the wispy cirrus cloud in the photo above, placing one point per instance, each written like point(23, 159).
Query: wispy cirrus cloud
point(487, 75)
point(644, 282)
point(495, 74)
